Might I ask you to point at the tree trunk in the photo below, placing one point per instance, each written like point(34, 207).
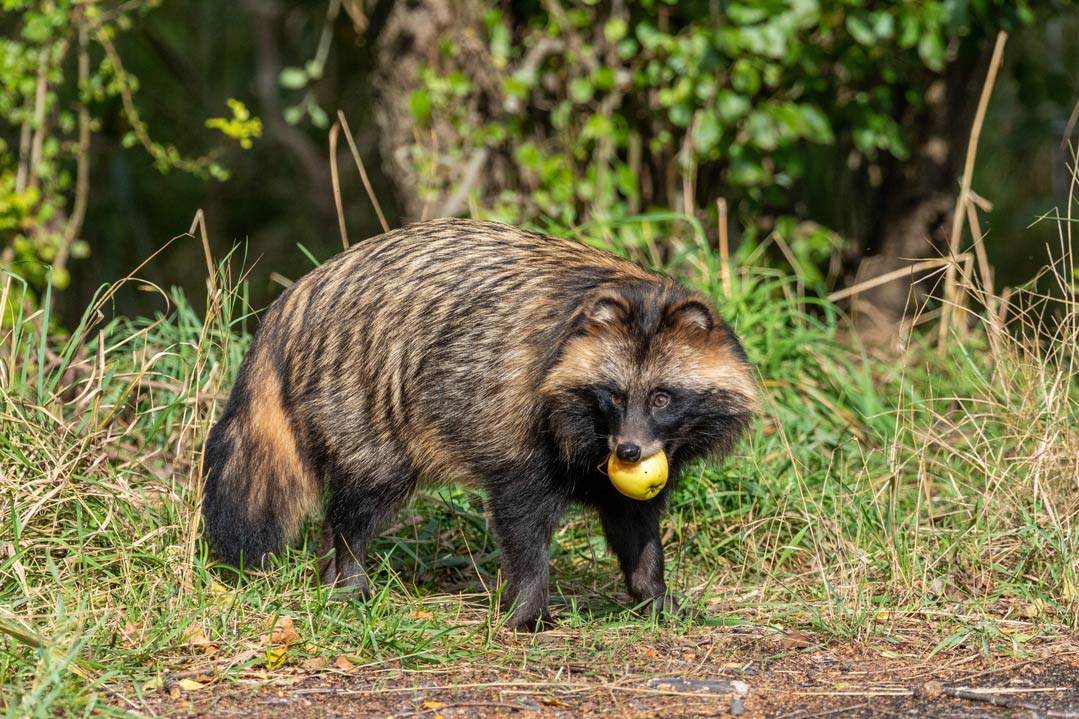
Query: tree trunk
point(897, 211)
point(413, 37)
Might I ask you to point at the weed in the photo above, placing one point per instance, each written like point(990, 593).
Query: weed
point(875, 498)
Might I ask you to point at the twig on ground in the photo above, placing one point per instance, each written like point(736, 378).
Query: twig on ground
point(466, 705)
point(998, 697)
point(830, 712)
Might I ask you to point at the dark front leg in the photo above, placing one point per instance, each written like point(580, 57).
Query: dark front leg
point(632, 530)
point(524, 522)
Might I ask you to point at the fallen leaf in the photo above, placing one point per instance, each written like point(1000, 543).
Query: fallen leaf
point(282, 631)
point(420, 614)
point(131, 634)
point(796, 640)
point(1069, 589)
point(197, 638)
point(1030, 610)
point(190, 685)
point(342, 662)
point(433, 705)
point(314, 663)
point(275, 657)
point(220, 594)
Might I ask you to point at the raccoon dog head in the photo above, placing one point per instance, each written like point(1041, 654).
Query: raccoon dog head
point(648, 366)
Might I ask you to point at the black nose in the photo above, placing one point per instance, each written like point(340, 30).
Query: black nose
point(628, 452)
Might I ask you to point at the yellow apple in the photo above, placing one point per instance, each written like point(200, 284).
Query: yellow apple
point(639, 480)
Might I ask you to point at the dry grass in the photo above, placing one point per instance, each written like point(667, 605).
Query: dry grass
point(936, 495)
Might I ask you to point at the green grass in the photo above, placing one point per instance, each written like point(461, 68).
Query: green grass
point(875, 498)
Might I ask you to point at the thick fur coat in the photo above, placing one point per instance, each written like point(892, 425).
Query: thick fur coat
point(461, 351)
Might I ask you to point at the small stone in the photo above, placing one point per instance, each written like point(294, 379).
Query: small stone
point(738, 707)
point(929, 690)
point(173, 689)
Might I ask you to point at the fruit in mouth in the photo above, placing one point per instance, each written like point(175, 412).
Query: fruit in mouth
point(638, 480)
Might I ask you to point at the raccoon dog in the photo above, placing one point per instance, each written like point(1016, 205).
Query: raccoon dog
point(461, 351)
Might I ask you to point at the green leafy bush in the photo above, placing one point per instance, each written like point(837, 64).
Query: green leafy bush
point(60, 74)
point(596, 110)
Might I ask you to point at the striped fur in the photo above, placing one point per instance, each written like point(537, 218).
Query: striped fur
point(461, 351)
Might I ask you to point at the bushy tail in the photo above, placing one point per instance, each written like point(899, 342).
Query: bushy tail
point(258, 488)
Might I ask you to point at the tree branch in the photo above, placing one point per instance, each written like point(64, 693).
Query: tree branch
point(266, 73)
point(82, 173)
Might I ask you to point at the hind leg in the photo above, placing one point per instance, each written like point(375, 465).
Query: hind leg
point(342, 555)
point(357, 509)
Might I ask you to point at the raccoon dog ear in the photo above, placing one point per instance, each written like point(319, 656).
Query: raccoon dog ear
point(606, 309)
point(690, 315)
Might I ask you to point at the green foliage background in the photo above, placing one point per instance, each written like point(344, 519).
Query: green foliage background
point(929, 501)
point(789, 109)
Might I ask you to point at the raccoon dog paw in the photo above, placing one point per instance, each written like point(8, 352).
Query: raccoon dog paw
point(665, 605)
point(531, 624)
point(352, 586)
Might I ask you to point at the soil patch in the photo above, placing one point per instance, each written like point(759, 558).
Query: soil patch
point(702, 675)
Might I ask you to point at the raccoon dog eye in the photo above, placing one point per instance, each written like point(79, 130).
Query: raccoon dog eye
point(660, 399)
point(617, 401)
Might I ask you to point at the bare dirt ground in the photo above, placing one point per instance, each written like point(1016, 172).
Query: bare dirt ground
point(705, 673)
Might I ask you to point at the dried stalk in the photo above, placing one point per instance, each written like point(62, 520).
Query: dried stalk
point(894, 275)
point(363, 172)
point(993, 330)
point(334, 178)
point(950, 285)
point(724, 246)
